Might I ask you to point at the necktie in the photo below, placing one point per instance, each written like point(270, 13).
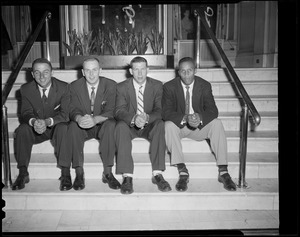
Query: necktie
point(92, 99)
point(44, 97)
point(140, 106)
point(187, 100)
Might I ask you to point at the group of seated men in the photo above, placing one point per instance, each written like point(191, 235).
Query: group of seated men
point(116, 113)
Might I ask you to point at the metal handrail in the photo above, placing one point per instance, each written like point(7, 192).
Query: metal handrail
point(7, 88)
point(247, 105)
point(240, 87)
point(15, 71)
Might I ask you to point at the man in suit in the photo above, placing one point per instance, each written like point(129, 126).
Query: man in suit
point(44, 116)
point(189, 110)
point(138, 112)
point(91, 114)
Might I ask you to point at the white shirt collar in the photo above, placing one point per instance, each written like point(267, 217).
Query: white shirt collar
point(137, 86)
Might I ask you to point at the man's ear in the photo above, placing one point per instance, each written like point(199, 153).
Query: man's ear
point(130, 70)
point(195, 71)
point(100, 70)
point(82, 72)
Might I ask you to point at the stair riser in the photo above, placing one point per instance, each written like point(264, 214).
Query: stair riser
point(75, 201)
point(224, 105)
point(230, 124)
point(217, 88)
point(188, 146)
point(210, 75)
point(144, 171)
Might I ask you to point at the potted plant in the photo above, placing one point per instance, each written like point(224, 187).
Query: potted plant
point(115, 49)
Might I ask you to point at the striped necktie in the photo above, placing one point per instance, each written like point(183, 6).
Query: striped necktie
point(187, 100)
point(92, 98)
point(140, 104)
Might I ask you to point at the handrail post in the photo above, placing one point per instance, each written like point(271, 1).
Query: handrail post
point(243, 147)
point(5, 143)
point(198, 39)
point(47, 36)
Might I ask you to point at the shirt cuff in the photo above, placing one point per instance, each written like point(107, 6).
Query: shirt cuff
point(31, 121)
point(49, 122)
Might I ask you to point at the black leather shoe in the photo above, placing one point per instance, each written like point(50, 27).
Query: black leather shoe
point(65, 183)
point(181, 185)
point(111, 181)
point(161, 183)
point(20, 182)
point(227, 182)
point(79, 182)
point(126, 187)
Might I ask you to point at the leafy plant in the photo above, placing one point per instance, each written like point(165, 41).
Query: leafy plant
point(100, 42)
point(127, 43)
point(156, 41)
point(73, 46)
point(141, 43)
point(112, 40)
point(86, 43)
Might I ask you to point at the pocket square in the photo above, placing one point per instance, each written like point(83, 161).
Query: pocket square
point(57, 107)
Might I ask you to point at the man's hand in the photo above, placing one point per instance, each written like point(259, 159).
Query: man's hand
point(140, 120)
point(194, 120)
point(40, 126)
point(86, 121)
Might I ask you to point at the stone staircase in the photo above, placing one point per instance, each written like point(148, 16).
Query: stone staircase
point(204, 192)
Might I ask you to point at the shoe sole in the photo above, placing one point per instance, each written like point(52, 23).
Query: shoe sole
point(126, 192)
point(65, 189)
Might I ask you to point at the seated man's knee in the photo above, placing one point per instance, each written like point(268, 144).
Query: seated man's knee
point(170, 126)
point(121, 126)
point(24, 129)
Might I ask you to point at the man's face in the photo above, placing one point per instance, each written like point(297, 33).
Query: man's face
point(139, 72)
point(187, 72)
point(42, 74)
point(91, 71)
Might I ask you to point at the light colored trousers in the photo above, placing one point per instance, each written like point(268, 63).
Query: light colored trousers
point(214, 131)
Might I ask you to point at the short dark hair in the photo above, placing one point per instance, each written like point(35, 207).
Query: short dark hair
point(187, 59)
point(41, 60)
point(138, 59)
point(91, 59)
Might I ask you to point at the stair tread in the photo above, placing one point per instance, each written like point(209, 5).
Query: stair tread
point(145, 187)
point(229, 134)
point(199, 158)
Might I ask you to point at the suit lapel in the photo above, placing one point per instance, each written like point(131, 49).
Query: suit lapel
point(148, 98)
point(84, 96)
point(99, 98)
point(196, 94)
point(132, 95)
point(180, 95)
point(37, 100)
point(52, 94)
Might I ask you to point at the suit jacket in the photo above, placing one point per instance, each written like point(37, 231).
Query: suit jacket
point(80, 103)
point(203, 102)
point(58, 102)
point(126, 104)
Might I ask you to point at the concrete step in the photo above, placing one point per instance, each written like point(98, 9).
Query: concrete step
point(218, 88)
point(211, 74)
point(263, 141)
point(231, 121)
point(224, 104)
point(202, 194)
point(200, 166)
